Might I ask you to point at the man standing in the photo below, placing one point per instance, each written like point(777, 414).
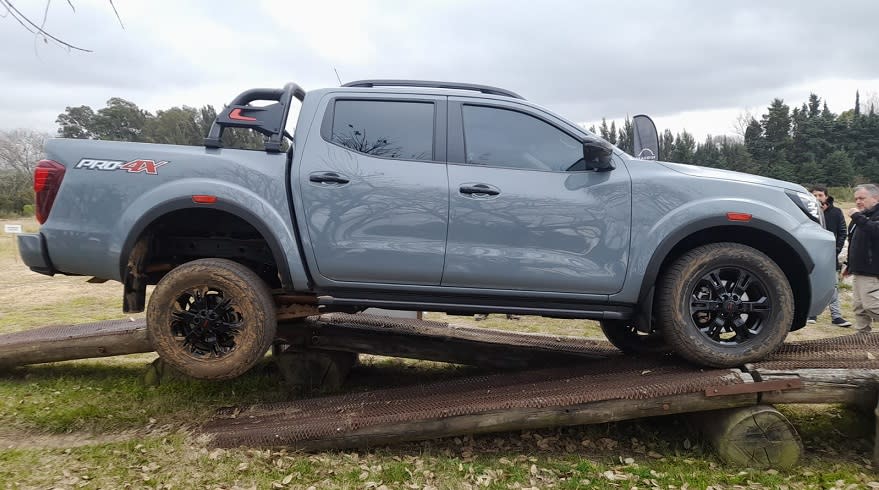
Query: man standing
point(863, 255)
point(835, 222)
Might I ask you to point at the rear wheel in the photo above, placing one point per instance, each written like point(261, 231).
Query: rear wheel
point(627, 338)
point(724, 305)
point(211, 318)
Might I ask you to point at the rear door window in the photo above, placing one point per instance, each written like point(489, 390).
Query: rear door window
point(388, 129)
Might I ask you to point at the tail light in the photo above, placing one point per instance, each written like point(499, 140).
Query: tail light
point(47, 181)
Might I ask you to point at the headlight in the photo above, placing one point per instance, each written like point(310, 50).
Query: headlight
point(809, 204)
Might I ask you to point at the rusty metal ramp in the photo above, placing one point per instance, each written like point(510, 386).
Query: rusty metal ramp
point(599, 391)
point(857, 351)
point(593, 391)
point(80, 341)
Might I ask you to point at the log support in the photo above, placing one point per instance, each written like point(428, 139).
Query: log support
point(757, 436)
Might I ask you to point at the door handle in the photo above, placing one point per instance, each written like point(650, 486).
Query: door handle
point(479, 190)
point(328, 178)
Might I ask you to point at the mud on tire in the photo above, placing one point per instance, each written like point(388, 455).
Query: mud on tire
point(724, 305)
point(211, 319)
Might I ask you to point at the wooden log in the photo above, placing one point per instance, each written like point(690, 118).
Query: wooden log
point(51, 344)
point(758, 436)
point(307, 371)
point(523, 419)
point(847, 386)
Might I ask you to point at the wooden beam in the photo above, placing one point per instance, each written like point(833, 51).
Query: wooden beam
point(847, 386)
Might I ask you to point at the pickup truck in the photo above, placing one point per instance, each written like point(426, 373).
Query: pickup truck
point(428, 196)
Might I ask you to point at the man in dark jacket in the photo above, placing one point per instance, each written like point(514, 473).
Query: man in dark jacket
point(863, 255)
point(835, 222)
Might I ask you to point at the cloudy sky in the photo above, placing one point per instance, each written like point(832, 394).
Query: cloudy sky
point(690, 64)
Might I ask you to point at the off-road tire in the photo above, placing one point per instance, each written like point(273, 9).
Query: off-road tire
point(628, 339)
point(676, 291)
point(250, 303)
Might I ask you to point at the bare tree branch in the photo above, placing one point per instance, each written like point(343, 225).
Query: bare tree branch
point(117, 14)
point(70, 2)
point(35, 29)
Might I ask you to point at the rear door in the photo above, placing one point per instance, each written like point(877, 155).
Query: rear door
point(375, 189)
point(524, 212)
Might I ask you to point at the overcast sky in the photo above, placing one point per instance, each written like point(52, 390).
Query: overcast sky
point(690, 64)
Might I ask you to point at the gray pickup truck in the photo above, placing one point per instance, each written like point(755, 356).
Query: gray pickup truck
point(428, 196)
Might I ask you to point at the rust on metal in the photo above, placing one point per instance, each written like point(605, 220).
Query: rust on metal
point(295, 311)
point(55, 333)
point(623, 378)
point(759, 387)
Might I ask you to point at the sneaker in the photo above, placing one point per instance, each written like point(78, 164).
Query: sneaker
point(812, 319)
point(841, 322)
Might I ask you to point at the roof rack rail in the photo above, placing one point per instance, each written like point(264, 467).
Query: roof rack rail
point(432, 84)
point(268, 120)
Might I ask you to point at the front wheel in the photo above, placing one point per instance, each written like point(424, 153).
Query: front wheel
point(724, 304)
point(211, 318)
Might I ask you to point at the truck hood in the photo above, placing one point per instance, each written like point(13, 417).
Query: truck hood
point(715, 173)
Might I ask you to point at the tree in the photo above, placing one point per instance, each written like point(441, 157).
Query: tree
point(666, 145)
point(612, 133)
point(838, 169)
point(777, 126)
point(121, 120)
point(605, 131)
point(20, 150)
point(626, 140)
point(76, 122)
point(176, 126)
point(685, 148)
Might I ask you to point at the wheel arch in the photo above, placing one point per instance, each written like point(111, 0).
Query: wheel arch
point(764, 236)
point(135, 248)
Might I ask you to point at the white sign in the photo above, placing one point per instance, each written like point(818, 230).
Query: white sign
point(12, 228)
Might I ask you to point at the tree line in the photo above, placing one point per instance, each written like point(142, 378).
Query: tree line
point(808, 144)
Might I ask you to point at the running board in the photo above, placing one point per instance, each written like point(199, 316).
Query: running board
point(554, 310)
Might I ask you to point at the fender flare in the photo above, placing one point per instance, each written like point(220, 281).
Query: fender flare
point(645, 296)
point(185, 202)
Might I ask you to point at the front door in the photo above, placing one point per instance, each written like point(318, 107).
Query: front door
point(524, 214)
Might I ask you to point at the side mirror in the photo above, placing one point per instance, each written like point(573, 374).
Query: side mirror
point(598, 155)
point(646, 138)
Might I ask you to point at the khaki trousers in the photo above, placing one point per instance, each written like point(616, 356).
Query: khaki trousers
point(866, 301)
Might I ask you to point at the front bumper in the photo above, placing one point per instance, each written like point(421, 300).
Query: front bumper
point(820, 244)
point(32, 248)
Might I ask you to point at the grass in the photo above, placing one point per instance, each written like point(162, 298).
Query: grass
point(95, 424)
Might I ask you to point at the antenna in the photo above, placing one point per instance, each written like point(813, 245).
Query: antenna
point(337, 75)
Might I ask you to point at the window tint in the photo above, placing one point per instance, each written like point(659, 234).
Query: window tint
point(504, 138)
point(402, 130)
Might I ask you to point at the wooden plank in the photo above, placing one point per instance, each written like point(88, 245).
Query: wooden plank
point(847, 386)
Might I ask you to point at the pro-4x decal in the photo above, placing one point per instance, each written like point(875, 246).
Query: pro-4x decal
point(150, 167)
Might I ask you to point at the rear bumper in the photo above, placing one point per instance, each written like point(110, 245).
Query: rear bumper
point(32, 248)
